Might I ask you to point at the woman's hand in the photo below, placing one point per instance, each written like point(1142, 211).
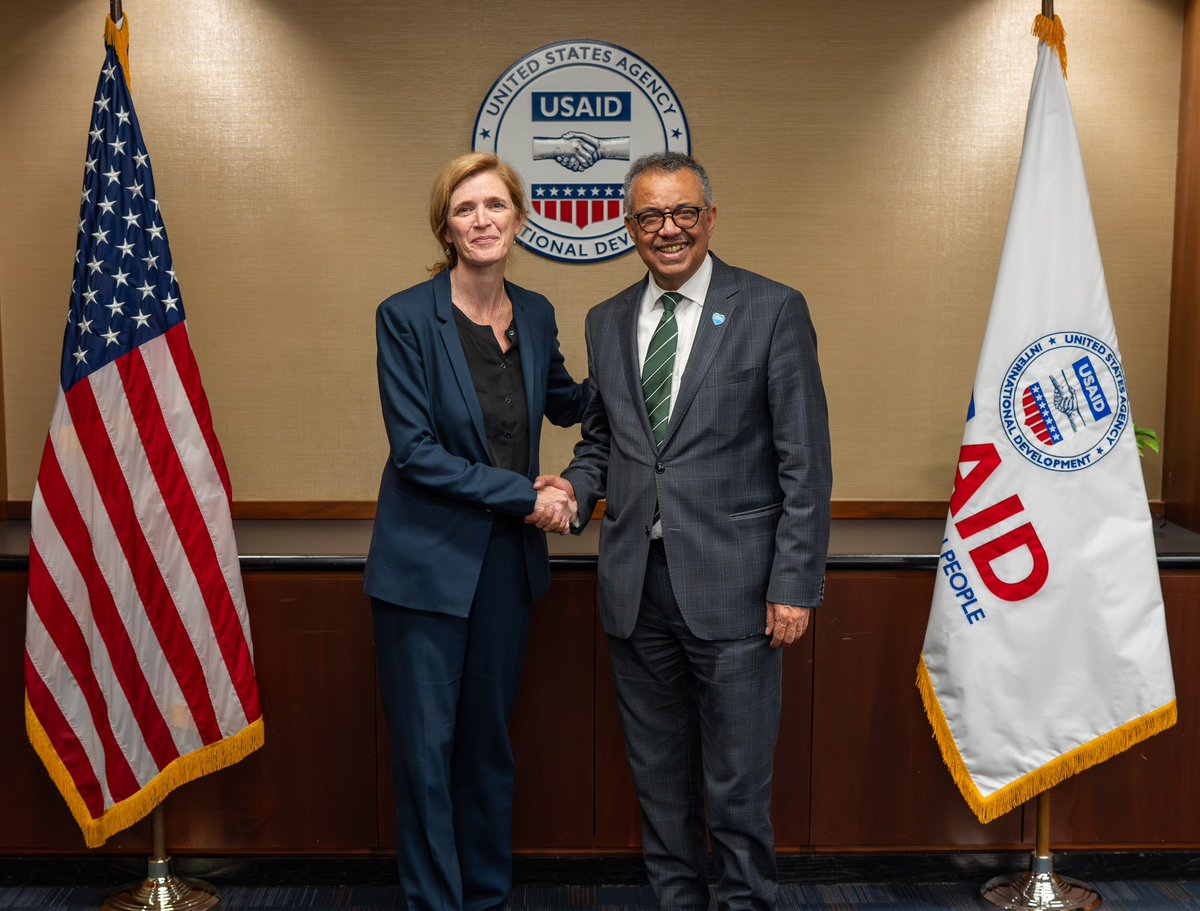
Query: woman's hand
point(555, 508)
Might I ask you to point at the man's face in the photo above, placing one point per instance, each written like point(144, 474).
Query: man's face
point(672, 254)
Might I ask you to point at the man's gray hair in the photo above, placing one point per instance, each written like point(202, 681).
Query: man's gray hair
point(670, 162)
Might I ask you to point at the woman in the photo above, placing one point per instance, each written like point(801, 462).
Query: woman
point(468, 365)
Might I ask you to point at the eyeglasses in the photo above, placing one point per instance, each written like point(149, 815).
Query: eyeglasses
point(684, 217)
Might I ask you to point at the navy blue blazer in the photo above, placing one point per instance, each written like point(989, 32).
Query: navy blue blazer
point(439, 491)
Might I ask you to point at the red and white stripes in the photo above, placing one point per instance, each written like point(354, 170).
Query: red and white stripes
point(138, 651)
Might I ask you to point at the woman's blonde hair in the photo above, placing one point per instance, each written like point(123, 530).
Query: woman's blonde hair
point(447, 181)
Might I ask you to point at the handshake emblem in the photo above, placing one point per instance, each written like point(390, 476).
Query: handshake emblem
point(578, 151)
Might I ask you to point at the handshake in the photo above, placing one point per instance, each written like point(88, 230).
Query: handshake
point(555, 509)
point(577, 151)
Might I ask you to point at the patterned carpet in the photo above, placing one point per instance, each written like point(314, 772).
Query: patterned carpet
point(1118, 896)
point(1126, 882)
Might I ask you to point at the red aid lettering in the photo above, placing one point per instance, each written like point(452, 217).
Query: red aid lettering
point(985, 554)
point(986, 518)
point(986, 461)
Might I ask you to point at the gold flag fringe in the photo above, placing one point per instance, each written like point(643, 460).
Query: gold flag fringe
point(1052, 34)
point(1024, 789)
point(120, 816)
point(119, 39)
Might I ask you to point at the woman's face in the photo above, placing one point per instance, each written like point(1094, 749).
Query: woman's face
point(482, 222)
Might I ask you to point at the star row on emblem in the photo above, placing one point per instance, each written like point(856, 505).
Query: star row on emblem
point(611, 190)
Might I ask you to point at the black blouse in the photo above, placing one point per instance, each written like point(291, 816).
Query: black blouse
point(501, 390)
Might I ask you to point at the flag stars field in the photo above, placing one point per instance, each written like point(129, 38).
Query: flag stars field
point(117, 194)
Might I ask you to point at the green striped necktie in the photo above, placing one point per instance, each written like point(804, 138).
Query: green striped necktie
point(659, 366)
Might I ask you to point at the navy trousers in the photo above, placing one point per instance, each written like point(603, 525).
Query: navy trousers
point(701, 719)
point(448, 687)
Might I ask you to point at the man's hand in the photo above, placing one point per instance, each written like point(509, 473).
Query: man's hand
point(552, 480)
point(786, 624)
point(555, 508)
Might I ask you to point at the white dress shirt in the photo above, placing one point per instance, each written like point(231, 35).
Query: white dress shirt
point(687, 319)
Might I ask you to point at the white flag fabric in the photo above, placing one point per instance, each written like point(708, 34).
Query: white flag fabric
point(1046, 650)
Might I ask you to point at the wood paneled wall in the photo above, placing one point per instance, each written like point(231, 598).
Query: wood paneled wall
point(857, 768)
point(3, 438)
point(1181, 439)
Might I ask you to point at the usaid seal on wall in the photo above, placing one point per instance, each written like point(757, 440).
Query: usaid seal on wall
point(570, 117)
point(1063, 401)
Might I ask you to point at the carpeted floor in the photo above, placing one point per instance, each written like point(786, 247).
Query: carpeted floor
point(1126, 882)
point(1118, 896)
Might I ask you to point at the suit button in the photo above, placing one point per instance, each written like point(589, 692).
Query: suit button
point(660, 467)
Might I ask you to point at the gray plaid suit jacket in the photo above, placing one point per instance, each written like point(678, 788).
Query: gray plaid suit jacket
point(743, 476)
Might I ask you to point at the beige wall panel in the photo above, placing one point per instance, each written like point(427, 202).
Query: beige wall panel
point(862, 151)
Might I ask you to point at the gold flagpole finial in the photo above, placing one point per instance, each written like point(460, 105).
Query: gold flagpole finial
point(119, 37)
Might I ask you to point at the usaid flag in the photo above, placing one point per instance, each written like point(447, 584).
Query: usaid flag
point(1046, 650)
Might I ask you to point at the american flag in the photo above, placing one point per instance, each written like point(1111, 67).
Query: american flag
point(139, 672)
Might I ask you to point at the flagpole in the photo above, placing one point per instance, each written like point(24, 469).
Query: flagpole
point(161, 890)
point(1043, 824)
point(1041, 888)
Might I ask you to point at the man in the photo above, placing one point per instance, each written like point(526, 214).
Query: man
point(707, 433)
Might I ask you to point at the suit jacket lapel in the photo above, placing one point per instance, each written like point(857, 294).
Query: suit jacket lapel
point(530, 344)
point(458, 358)
point(627, 324)
point(721, 301)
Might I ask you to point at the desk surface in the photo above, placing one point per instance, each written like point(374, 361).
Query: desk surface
point(341, 545)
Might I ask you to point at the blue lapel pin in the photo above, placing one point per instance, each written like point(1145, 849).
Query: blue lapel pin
point(718, 318)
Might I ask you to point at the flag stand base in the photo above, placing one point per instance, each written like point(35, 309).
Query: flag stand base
point(162, 891)
point(1041, 889)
